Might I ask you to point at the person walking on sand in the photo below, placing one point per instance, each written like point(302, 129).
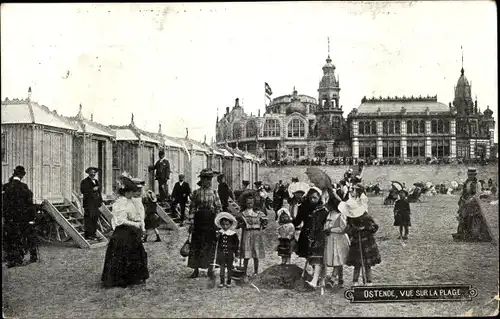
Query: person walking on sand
point(227, 246)
point(402, 214)
point(286, 236)
point(152, 220)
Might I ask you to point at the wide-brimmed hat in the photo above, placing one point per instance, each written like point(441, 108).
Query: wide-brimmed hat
point(258, 183)
point(92, 168)
point(314, 189)
point(126, 184)
point(181, 176)
point(245, 183)
point(471, 170)
point(19, 171)
point(351, 208)
point(283, 210)
point(404, 191)
point(151, 196)
point(298, 187)
point(225, 215)
point(206, 173)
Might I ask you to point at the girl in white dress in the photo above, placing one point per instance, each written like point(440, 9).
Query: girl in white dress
point(337, 245)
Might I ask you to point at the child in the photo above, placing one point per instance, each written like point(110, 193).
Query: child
point(337, 244)
point(151, 220)
point(286, 236)
point(252, 223)
point(402, 214)
point(227, 246)
point(361, 227)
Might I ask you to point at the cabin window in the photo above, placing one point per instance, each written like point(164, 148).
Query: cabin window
point(4, 148)
point(296, 128)
point(271, 128)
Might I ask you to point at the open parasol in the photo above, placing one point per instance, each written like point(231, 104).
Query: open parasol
point(397, 185)
point(454, 184)
point(298, 186)
point(319, 178)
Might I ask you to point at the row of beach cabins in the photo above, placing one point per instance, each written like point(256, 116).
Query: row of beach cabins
point(55, 151)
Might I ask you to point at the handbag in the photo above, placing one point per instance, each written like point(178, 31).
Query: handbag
point(186, 248)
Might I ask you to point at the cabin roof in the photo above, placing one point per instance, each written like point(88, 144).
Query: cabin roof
point(27, 112)
point(217, 152)
point(86, 126)
point(248, 156)
point(132, 133)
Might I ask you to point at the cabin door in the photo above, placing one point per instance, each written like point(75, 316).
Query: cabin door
point(149, 160)
point(51, 165)
point(97, 159)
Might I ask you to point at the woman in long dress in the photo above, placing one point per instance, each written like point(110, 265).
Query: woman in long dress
point(205, 205)
point(126, 260)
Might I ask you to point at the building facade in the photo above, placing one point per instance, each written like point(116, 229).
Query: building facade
point(294, 127)
point(297, 127)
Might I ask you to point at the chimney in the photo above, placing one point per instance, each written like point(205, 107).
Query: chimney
point(187, 132)
point(92, 117)
point(237, 102)
point(159, 129)
point(227, 110)
point(132, 120)
point(29, 93)
point(258, 113)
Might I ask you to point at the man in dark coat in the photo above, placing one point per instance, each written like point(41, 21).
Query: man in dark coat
point(181, 193)
point(224, 192)
point(280, 194)
point(162, 168)
point(18, 214)
point(91, 190)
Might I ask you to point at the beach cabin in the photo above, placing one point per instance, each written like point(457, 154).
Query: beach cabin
point(237, 167)
point(134, 152)
point(227, 165)
point(42, 142)
point(247, 168)
point(195, 160)
point(92, 146)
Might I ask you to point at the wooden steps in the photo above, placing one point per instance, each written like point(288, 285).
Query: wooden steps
point(71, 221)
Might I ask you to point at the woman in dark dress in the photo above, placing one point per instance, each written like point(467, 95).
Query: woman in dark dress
point(402, 214)
point(205, 205)
point(126, 260)
point(311, 244)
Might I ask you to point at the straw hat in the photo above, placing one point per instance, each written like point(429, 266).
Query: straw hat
point(283, 210)
point(225, 215)
point(351, 208)
point(298, 187)
point(127, 185)
point(151, 196)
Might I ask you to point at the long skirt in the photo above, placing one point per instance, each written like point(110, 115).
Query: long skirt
point(126, 261)
point(336, 249)
point(402, 219)
point(151, 221)
point(253, 244)
point(203, 239)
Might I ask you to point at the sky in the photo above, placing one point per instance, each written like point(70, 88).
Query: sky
point(182, 64)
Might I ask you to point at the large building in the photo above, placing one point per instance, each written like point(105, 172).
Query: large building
point(296, 126)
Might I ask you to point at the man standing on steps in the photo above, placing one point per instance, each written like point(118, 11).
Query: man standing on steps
point(91, 190)
point(18, 214)
point(181, 193)
point(162, 168)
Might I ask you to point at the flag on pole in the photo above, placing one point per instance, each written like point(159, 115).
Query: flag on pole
point(268, 90)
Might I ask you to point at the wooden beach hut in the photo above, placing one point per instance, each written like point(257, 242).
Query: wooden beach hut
point(134, 152)
point(195, 161)
point(92, 146)
point(42, 142)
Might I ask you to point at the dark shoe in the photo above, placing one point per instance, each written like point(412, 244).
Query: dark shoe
point(195, 274)
point(405, 237)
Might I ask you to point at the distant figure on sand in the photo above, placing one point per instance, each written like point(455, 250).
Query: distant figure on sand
point(91, 190)
point(402, 214)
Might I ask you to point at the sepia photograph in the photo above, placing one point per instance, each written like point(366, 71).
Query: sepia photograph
point(205, 160)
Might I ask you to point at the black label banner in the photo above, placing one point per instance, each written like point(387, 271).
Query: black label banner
point(410, 293)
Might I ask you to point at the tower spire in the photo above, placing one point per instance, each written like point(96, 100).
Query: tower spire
point(328, 47)
point(462, 70)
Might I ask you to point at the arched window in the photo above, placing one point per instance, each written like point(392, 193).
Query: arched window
point(446, 128)
point(361, 128)
point(415, 127)
point(296, 128)
point(440, 126)
point(434, 126)
point(335, 122)
point(367, 127)
point(409, 127)
point(271, 128)
point(397, 127)
point(385, 128)
point(320, 151)
point(236, 131)
point(374, 128)
point(422, 126)
point(251, 128)
point(391, 127)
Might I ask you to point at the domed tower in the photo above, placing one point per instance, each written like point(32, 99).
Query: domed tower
point(329, 89)
point(463, 97)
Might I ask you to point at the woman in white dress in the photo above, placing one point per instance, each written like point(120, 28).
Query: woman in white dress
point(126, 260)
